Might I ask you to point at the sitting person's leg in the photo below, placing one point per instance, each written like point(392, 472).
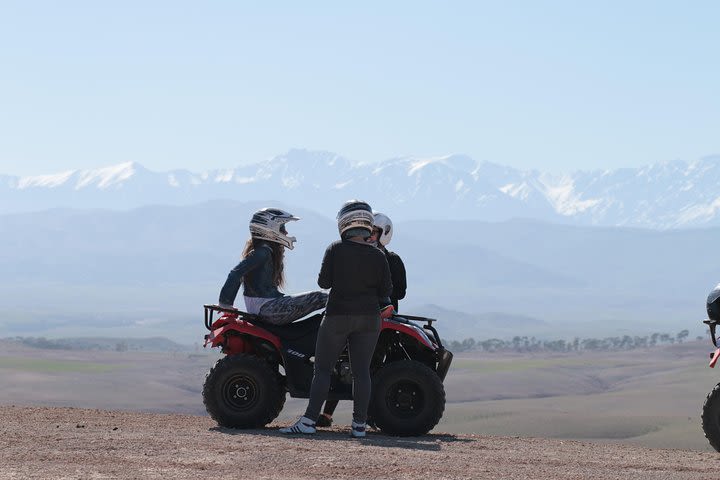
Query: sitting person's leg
point(287, 309)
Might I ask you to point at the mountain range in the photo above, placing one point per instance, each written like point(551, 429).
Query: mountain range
point(665, 195)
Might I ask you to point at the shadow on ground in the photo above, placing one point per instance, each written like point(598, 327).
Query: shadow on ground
point(429, 442)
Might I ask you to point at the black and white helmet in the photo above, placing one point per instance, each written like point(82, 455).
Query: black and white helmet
point(355, 218)
point(384, 223)
point(269, 224)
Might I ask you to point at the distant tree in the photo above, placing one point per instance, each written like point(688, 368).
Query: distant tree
point(682, 335)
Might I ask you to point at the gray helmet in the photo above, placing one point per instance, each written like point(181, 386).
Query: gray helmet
point(269, 224)
point(355, 218)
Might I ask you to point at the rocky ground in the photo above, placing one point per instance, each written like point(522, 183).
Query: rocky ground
point(71, 443)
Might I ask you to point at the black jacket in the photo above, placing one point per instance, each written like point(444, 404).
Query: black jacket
point(357, 274)
point(397, 274)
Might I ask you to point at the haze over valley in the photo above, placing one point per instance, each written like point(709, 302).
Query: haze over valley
point(124, 251)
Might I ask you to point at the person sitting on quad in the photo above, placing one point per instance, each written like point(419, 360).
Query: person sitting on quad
point(261, 270)
point(381, 236)
point(357, 274)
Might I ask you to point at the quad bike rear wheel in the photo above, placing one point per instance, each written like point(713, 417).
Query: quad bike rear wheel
point(242, 391)
point(711, 417)
point(408, 399)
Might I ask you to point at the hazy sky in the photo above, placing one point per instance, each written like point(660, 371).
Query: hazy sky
point(549, 85)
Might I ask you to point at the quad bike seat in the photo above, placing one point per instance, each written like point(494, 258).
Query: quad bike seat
point(294, 330)
point(291, 331)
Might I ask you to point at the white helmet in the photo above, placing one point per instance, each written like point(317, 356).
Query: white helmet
point(384, 223)
point(355, 217)
point(269, 224)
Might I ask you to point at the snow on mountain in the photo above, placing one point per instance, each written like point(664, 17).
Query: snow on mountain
point(664, 195)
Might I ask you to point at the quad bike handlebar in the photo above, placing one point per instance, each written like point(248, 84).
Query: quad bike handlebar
point(419, 319)
point(406, 319)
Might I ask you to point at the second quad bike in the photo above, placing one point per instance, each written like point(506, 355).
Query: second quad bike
point(711, 407)
point(247, 387)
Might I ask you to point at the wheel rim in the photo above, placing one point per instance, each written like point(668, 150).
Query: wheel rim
point(405, 399)
point(240, 392)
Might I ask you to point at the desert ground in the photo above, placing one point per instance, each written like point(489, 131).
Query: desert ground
point(69, 443)
point(108, 414)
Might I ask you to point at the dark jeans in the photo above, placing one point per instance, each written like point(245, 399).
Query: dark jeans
point(361, 334)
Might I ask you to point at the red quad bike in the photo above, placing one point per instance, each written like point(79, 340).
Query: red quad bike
point(247, 387)
point(711, 407)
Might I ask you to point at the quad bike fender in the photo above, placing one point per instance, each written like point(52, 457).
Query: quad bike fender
point(222, 335)
point(442, 356)
point(411, 330)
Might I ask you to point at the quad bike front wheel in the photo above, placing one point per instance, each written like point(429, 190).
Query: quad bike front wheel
point(408, 398)
point(711, 417)
point(242, 391)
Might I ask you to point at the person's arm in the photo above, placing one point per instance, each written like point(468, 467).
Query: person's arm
point(398, 275)
point(325, 278)
point(385, 287)
point(230, 289)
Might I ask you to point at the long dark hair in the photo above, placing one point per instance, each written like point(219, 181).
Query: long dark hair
point(278, 257)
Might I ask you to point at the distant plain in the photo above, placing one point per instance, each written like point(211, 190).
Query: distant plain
point(650, 397)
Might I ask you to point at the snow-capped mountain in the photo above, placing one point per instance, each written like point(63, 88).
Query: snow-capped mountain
point(665, 195)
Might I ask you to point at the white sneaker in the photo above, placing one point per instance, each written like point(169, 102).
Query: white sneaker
point(303, 425)
point(358, 429)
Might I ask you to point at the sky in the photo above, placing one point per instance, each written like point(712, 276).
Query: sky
point(555, 86)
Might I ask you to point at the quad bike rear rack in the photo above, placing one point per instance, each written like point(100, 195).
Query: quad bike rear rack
point(210, 310)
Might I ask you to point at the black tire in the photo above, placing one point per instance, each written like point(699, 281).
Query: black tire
point(408, 399)
point(711, 417)
point(242, 391)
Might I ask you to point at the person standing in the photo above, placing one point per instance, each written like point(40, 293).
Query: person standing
point(381, 235)
point(357, 274)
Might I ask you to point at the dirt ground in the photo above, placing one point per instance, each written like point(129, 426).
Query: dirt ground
point(71, 443)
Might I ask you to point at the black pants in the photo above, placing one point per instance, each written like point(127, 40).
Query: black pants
point(361, 334)
point(331, 405)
